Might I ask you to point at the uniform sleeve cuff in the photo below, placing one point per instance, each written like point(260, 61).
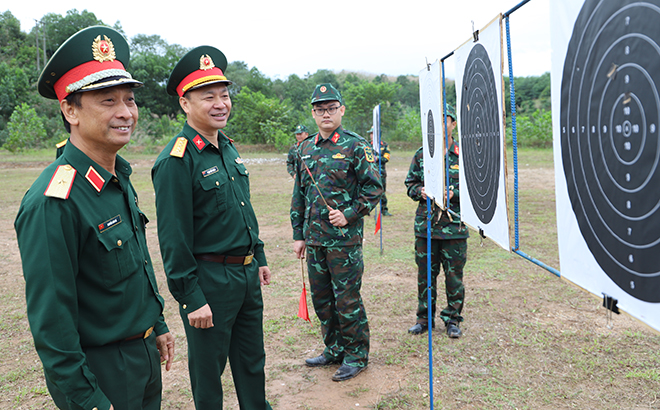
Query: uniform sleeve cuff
point(351, 216)
point(193, 301)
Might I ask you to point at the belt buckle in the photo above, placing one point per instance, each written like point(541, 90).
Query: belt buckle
point(248, 260)
point(148, 332)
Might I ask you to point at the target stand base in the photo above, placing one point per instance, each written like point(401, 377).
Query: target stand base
point(610, 303)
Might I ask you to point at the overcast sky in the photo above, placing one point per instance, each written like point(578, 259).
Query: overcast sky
point(302, 36)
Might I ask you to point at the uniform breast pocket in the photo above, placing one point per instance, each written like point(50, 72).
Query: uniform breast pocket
point(122, 257)
point(215, 189)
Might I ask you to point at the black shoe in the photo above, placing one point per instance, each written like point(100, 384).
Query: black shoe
point(346, 372)
point(387, 213)
point(419, 328)
point(453, 331)
point(319, 361)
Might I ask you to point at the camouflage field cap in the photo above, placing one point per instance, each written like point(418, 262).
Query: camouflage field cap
point(326, 92)
point(450, 111)
point(91, 59)
point(371, 130)
point(300, 129)
point(201, 66)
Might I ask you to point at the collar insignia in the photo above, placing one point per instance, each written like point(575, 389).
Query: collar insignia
point(95, 179)
point(103, 50)
point(199, 142)
point(335, 138)
point(205, 62)
point(455, 149)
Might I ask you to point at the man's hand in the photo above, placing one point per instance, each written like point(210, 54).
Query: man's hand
point(337, 217)
point(264, 275)
point(165, 344)
point(201, 318)
point(299, 249)
point(424, 194)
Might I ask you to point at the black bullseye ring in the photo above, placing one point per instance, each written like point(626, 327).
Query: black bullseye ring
point(610, 113)
point(480, 133)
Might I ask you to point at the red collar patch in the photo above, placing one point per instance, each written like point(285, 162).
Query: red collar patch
point(95, 179)
point(335, 138)
point(199, 142)
point(455, 149)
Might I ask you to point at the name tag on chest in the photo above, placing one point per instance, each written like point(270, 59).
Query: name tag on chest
point(209, 171)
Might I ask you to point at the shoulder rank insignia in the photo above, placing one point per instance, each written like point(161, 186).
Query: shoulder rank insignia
point(335, 138)
point(61, 182)
point(368, 154)
point(199, 142)
point(61, 143)
point(95, 179)
point(179, 147)
point(339, 155)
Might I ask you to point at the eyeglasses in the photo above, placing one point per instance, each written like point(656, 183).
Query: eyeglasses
point(330, 110)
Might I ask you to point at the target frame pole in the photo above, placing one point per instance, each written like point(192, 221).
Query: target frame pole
point(514, 133)
point(444, 121)
point(429, 216)
point(380, 171)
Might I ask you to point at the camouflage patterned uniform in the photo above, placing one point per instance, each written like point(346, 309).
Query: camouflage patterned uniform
point(384, 159)
point(448, 244)
point(343, 167)
point(291, 160)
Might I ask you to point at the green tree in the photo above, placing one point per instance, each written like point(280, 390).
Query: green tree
point(360, 100)
point(152, 61)
point(25, 130)
point(11, 36)
point(14, 88)
point(58, 29)
point(257, 119)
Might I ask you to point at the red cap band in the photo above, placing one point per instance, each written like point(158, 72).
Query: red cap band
point(80, 72)
point(198, 77)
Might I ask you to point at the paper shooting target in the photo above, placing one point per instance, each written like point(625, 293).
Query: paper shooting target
point(610, 139)
point(430, 126)
point(430, 100)
point(480, 133)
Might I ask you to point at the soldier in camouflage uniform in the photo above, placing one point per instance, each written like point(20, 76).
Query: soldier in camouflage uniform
point(448, 242)
point(384, 159)
point(329, 228)
point(300, 133)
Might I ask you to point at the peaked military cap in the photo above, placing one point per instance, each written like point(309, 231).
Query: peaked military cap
point(326, 92)
point(91, 59)
point(450, 111)
point(201, 66)
point(300, 129)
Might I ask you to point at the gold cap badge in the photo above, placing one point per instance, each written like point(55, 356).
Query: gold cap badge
point(205, 62)
point(103, 50)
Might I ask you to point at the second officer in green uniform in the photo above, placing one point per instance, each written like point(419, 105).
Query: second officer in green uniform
point(209, 238)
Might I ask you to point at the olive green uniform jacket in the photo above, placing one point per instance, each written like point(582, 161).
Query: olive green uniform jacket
point(89, 280)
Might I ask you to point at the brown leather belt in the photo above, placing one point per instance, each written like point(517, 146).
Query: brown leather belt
point(142, 335)
point(234, 260)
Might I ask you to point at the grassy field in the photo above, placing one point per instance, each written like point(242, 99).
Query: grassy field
point(531, 340)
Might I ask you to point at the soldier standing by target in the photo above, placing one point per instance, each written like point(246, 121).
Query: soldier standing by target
point(336, 186)
point(300, 133)
point(448, 242)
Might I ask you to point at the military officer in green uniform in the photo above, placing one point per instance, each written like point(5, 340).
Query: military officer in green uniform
point(92, 300)
point(336, 186)
point(384, 156)
point(448, 242)
point(209, 237)
point(300, 133)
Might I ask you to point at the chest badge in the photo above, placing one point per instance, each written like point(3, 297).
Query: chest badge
point(109, 223)
point(339, 155)
point(209, 171)
point(239, 160)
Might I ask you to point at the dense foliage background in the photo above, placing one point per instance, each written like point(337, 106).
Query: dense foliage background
point(265, 111)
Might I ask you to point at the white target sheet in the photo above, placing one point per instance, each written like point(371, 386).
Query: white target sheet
point(606, 125)
point(430, 100)
point(481, 125)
